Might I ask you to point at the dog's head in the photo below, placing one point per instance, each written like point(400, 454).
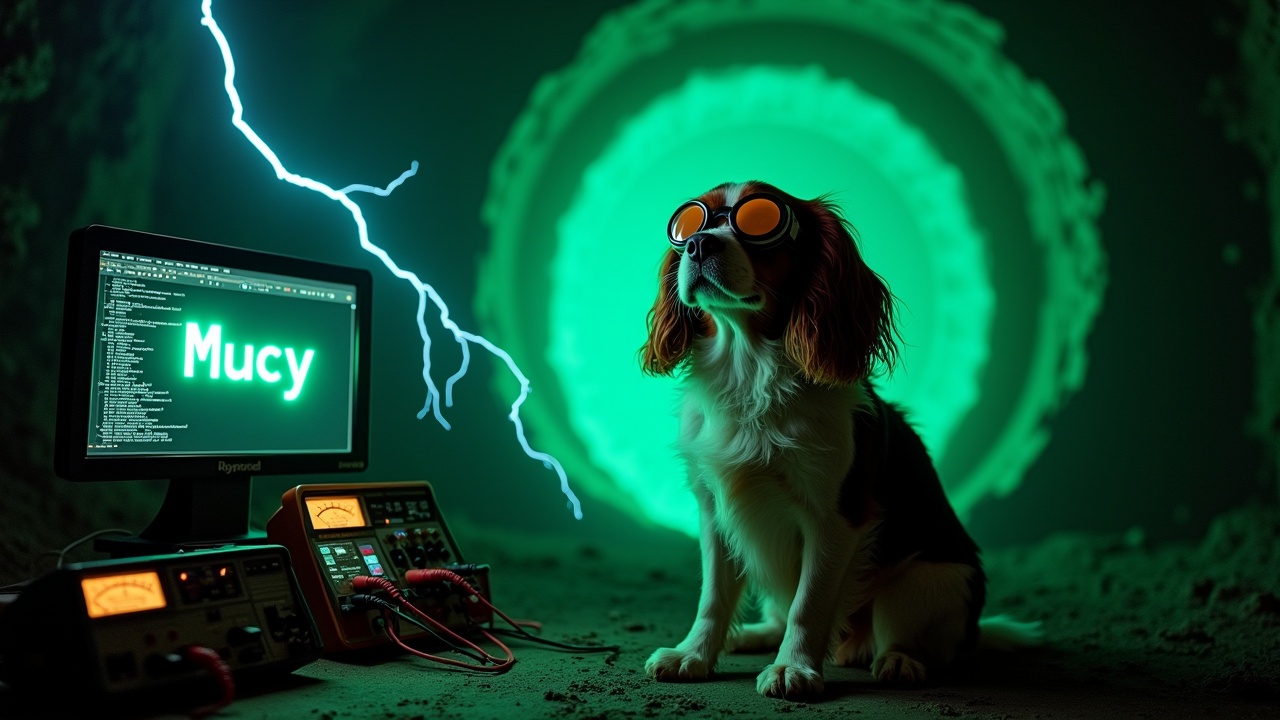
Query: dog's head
point(779, 267)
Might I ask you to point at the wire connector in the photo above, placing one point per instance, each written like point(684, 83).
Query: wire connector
point(209, 660)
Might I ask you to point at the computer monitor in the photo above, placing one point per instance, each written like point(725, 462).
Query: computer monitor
point(207, 365)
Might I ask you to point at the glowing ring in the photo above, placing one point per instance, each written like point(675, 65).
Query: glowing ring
point(535, 174)
point(941, 243)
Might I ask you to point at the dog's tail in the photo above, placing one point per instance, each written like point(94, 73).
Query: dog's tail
point(1005, 634)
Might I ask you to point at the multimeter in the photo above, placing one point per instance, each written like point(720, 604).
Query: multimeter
point(337, 532)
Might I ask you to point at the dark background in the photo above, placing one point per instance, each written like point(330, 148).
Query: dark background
point(124, 121)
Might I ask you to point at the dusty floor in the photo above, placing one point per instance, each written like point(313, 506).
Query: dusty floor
point(1135, 632)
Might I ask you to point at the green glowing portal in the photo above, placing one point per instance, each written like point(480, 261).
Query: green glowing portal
point(969, 197)
point(809, 135)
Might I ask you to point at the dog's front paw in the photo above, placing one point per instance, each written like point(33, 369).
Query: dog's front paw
point(676, 665)
point(792, 682)
point(898, 668)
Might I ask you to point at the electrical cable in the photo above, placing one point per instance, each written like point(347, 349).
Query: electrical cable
point(557, 644)
point(387, 606)
point(61, 555)
point(530, 624)
point(499, 666)
point(384, 604)
point(438, 575)
point(447, 578)
point(366, 583)
point(209, 659)
point(445, 641)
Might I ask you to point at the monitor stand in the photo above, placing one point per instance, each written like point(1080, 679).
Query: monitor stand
point(197, 514)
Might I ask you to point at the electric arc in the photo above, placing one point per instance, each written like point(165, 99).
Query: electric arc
point(425, 291)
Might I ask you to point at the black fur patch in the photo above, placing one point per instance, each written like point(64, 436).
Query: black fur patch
point(893, 472)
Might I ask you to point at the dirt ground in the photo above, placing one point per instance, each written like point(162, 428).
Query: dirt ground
point(1134, 631)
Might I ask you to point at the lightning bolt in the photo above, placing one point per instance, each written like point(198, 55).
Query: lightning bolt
point(425, 291)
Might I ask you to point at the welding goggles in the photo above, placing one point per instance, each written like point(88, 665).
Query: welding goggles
point(758, 220)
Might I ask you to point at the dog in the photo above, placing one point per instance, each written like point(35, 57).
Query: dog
point(810, 488)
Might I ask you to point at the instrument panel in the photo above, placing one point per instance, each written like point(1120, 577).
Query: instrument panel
point(118, 626)
point(337, 532)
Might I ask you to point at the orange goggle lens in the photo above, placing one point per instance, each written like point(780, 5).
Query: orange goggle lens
point(688, 220)
point(757, 217)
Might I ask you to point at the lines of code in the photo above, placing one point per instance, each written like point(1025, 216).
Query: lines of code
point(126, 406)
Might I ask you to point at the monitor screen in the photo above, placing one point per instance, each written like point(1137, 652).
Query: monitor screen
point(207, 364)
point(207, 359)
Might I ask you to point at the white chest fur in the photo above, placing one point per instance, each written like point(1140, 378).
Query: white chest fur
point(766, 449)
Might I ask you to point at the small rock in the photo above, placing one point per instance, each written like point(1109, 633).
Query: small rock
point(1202, 590)
point(1195, 635)
point(1229, 593)
point(1266, 604)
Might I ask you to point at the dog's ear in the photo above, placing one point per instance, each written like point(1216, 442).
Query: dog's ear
point(672, 325)
point(843, 321)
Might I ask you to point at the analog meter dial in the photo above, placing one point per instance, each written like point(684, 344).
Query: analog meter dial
point(335, 512)
point(108, 595)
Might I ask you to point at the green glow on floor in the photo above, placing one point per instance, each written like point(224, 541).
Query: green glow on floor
point(669, 97)
point(824, 135)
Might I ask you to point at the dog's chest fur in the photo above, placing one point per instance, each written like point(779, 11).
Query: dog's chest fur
point(768, 449)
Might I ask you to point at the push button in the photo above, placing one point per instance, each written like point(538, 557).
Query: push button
point(418, 556)
point(244, 635)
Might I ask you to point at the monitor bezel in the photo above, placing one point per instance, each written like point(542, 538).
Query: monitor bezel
point(71, 460)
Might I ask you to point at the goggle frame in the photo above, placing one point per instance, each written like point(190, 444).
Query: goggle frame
point(787, 228)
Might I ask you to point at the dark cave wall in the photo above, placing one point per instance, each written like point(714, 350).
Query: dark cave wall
point(1163, 435)
point(112, 112)
point(1251, 102)
point(84, 93)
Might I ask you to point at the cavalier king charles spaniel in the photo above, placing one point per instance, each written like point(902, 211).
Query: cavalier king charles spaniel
point(811, 488)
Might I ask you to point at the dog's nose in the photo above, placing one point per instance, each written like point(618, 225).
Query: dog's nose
point(703, 245)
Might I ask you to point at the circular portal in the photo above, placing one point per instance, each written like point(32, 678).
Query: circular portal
point(969, 198)
point(825, 136)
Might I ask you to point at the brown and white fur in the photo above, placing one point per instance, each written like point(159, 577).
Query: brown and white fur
point(810, 488)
